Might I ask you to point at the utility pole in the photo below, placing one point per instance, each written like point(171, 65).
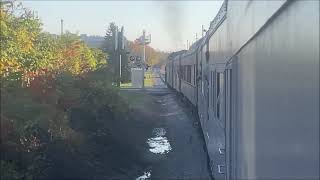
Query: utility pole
point(118, 50)
point(143, 40)
point(202, 30)
point(120, 66)
point(144, 54)
point(116, 56)
point(144, 45)
point(116, 61)
point(187, 44)
point(61, 27)
point(121, 47)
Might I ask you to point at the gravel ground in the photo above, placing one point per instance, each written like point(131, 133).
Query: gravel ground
point(174, 146)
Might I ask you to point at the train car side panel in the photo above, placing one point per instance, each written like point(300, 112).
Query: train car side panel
point(278, 98)
point(188, 86)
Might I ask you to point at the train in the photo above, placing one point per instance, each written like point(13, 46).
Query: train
point(253, 79)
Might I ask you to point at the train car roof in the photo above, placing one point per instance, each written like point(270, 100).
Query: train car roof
point(214, 25)
point(175, 54)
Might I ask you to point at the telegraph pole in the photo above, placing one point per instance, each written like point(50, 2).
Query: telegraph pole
point(187, 44)
point(144, 45)
point(144, 54)
point(143, 41)
point(202, 30)
point(116, 57)
point(61, 27)
point(118, 50)
point(121, 48)
point(120, 65)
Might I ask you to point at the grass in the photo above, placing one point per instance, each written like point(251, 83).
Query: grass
point(135, 99)
point(148, 81)
point(125, 85)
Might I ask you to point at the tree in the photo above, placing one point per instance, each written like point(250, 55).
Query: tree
point(18, 33)
point(109, 43)
point(153, 56)
point(109, 47)
point(100, 57)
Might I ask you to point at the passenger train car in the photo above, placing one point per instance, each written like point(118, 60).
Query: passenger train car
point(254, 80)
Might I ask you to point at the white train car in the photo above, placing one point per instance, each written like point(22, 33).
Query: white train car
point(188, 76)
point(257, 89)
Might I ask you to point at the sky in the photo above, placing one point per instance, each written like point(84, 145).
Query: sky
point(170, 23)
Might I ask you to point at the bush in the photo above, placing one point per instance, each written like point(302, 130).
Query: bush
point(53, 91)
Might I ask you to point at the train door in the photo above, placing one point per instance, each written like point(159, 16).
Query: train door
point(227, 111)
point(171, 74)
point(230, 118)
point(218, 96)
point(179, 73)
point(206, 75)
point(200, 85)
point(175, 75)
point(165, 74)
point(196, 77)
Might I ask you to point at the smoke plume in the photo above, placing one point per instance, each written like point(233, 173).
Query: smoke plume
point(173, 21)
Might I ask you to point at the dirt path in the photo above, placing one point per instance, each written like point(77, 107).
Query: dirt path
point(174, 147)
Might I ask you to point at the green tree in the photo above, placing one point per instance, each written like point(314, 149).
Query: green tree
point(100, 57)
point(109, 43)
point(18, 53)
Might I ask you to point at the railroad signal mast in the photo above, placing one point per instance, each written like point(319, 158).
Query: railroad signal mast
point(144, 40)
point(119, 50)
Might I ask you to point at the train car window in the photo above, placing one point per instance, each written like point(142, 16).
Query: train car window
point(186, 73)
point(212, 89)
point(194, 74)
point(217, 93)
point(207, 56)
point(228, 93)
point(219, 85)
point(189, 73)
point(182, 72)
point(207, 52)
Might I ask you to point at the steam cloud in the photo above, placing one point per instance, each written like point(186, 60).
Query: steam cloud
point(173, 22)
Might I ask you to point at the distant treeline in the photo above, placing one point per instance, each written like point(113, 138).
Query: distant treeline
point(92, 41)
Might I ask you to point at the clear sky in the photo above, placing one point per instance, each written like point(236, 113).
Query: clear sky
point(171, 23)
